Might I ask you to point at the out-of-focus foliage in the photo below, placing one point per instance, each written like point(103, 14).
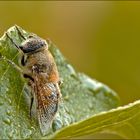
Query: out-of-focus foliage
point(123, 121)
point(100, 38)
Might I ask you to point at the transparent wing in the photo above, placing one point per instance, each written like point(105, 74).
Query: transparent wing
point(47, 99)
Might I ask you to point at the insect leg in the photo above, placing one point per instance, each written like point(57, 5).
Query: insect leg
point(31, 84)
point(31, 105)
point(12, 64)
point(19, 32)
point(60, 82)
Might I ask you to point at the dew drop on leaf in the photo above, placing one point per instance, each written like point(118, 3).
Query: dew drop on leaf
point(57, 124)
point(9, 113)
point(7, 121)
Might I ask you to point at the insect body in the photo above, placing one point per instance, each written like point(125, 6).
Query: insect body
point(40, 68)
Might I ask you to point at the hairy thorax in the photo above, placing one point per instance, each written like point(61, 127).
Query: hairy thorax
point(43, 63)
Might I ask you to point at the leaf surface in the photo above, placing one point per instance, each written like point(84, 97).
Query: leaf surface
point(123, 121)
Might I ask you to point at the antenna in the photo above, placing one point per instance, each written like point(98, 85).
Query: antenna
point(12, 41)
point(19, 32)
point(17, 46)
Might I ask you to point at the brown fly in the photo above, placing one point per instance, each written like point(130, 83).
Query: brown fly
point(41, 71)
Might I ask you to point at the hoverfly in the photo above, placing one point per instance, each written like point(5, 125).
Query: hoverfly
point(43, 77)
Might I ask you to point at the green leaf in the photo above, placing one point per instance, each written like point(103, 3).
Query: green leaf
point(123, 121)
point(82, 96)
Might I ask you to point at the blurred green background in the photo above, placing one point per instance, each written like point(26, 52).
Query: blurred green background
point(101, 39)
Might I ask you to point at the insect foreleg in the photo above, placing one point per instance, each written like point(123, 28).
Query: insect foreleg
point(12, 64)
point(60, 82)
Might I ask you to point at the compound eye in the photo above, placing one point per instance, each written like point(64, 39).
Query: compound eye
point(21, 47)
